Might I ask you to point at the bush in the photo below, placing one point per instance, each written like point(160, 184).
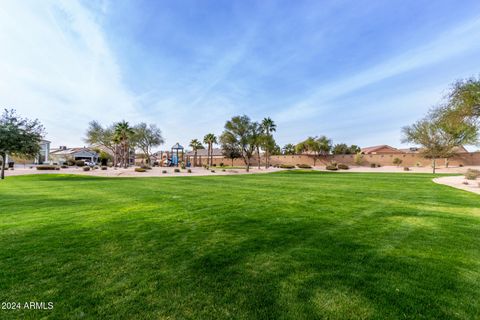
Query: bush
point(460, 165)
point(64, 167)
point(223, 170)
point(96, 167)
point(70, 162)
point(397, 161)
point(358, 159)
point(331, 167)
point(176, 170)
point(189, 170)
point(164, 171)
point(86, 168)
point(140, 170)
point(212, 171)
point(343, 166)
point(472, 174)
point(57, 168)
point(287, 166)
point(221, 164)
point(104, 167)
point(418, 164)
point(214, 165)
point(80, 163)
point(304, 166)
point(406, 169)
point(373, 165)
point(46, 167)
point(146, 167)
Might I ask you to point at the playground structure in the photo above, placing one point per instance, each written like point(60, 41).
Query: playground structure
point(177, 155)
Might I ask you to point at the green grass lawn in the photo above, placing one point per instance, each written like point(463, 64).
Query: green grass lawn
point(291, 245)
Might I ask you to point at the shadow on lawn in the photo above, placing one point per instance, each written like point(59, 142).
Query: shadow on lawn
point(242, 268)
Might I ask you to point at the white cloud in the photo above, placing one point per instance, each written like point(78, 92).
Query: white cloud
point(55, 65)
point(463, 38)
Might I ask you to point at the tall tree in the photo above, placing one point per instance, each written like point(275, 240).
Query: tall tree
point(315, 145)
point(288, 149)
point(123, 135)
point(268, 126)
point(459, 114)
point(230, 150)
point(340, 148)
point(258, 137)
point(102, 137)
point(240, 133)
point(210, 139)
point(18, 136)
point(147, 137)
point(195, 145)
point(435, 141)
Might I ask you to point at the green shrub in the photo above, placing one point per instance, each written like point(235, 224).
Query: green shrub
point(71, 162)
point(287, 166)
point(373, 165)
point(406, 169)
point(358, 159)
point(164, 171)
point(418, 164)
point(57, 168)
point(104, 167)
point(80, 163)
point(397, 161)
point(64, 167)
point(46, 167)
point(460, 165)
point(212, 171)
point(343, 166)
point(223, 170)
point(146, 167)
point(472, 174)
point(221, 164)
point(176, 170)
point(86, 168)
point(189, 170)
point(140, 170)
point(304, 166)
point(331, 167)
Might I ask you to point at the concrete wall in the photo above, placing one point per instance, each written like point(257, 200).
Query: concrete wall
point(410, 160)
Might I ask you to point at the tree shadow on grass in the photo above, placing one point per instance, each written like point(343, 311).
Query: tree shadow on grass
point(240, 268)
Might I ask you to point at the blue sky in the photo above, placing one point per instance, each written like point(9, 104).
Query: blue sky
point(356, 71)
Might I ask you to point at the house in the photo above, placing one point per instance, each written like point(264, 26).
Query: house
point(64, 154)
point(42, 157)
point(382, 149)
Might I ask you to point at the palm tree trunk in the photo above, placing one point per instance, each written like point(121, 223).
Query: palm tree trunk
point(211, 154)
point(433, 164)
point(2, 175)
point(195, 158)
point(266, 159)
point(258, 156)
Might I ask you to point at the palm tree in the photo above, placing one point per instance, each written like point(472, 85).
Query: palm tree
point(123, 135)
point(268, 126)
point(210, 139)
point(289, 149)
point(195, 145)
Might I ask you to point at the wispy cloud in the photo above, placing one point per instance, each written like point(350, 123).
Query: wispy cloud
point(461, 39)
point(56, 65)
